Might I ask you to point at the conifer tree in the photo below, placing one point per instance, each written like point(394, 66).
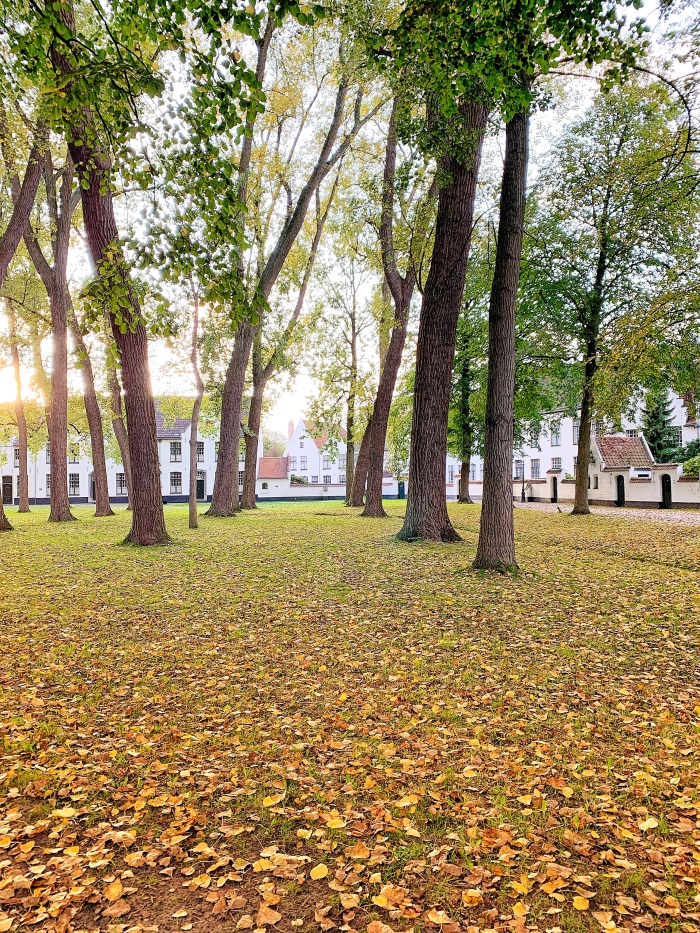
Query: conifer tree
point(657, 424)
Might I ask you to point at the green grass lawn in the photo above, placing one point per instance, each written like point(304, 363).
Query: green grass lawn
point(290, 720)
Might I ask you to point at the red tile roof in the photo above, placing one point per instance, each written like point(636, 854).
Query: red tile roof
point(618, 453)
point(272, 468)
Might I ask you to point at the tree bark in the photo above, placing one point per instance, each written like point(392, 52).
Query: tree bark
point(118, 426)
point(251, 447)
point(58, 430)
point(9, 241)
point(581, 506)
point(194, 420)
point(426, 506)
point(23, 446)
point(464, 471)
point(94, 419)
point(94, 170)
point(4, 520)
point(496, 546)
point(359, 480)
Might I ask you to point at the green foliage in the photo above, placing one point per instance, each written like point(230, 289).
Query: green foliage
point(691, 467)
point(690, 451)
point(658, 428)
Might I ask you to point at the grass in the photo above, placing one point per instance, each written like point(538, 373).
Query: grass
point(294, 688)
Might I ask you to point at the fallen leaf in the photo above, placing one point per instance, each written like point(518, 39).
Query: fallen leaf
point(320, 871)
point(113, 891)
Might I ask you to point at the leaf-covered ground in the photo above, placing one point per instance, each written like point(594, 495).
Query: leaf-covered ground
point(289, 721)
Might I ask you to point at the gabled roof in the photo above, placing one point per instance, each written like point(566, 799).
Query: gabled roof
point(320, 442)
point(621, 453)
point(175, 429)
point(272, 468)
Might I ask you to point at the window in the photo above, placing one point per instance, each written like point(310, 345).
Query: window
point(121, 484)
point(535, 469)
point(575, 464)
point(216, 450)
point(535, 439)
point(301, 445)
point(326, 463)
point(292, 463)
point(175, 451)
point(519, 469)
point(598, 427)
point(200, 451)
point(343, 462)
point(595, 481)
point(678, 435)
point(341, 478)
point(472, 471)
point(264, 485)
point(577, 429)
point(241, 475)
point(16, 456)
point(556, 434)
point(327, 479)
point(73, 454)
point(556, 463)
point(450, 474)
point(73, 484)
point(632, 432)
point(314, 479)
point(48, 484)
point(175, 484)
point(48, 453)
point(303, 463)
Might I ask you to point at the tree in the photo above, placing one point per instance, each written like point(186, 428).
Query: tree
point(22, 437)
point(658, 428)
point(415, 212)
point(609, 240)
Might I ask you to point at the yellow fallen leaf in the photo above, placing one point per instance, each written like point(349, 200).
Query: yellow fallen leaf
point(271, 801)
point(66, 813)
point(113, 890)
point(320, 871)
point(649, 823)
point(71, 850)
point(28, 846)
point(581, 903)
point(359, 850)
point(179, 913)
point(380, 900)
point(520, 909)
point(336, 823)
point(409, 801)
point(471, 897)
point(5, 842)
point(304, 833)
point(438, 917)
point(5, 924)
point(567, 792)
point(267, 916)
point(262, 864)
point(202, 881)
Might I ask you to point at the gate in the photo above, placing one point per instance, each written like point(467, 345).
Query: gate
point(620, 491)
point(666, 492)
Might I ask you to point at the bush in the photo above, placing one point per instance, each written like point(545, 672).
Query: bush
point(299, 480)
point(691, 467)
point(691, 451)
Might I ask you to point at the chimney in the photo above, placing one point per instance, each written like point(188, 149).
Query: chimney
point(290, 429)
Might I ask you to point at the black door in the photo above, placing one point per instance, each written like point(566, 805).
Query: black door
point(402, 489)
point(92, 487)
point(555, 489)
point(7, 490)
point(200, 489)
point(666, 494)
point(620, 490)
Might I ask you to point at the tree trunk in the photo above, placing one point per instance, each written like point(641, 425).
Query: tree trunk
point(251, 447)
point(23, 447)
point(9, 241)
point(118, 426)
point(95, 174)
point(581, 506)
point(359, 480)
point(58, 430)
point(94, 419)
point(464, 472)
point(4, 521)
point(350, 421)
point(224, 501)
point(426, 506)
point(194, 420)
point(380, 418)
point(496, 546)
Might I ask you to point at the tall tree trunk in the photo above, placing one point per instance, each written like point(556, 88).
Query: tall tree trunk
point(95, 173)
point(496, 546)
point(359, 480)
point(23, 447)
point(58, 431)
point(118, 426)
point(426, 506)
point(94, 419)
point(350, 420)
point(194, 420)
point(251, 446)
point(464, 472)
point(224, 500)
point(380, 418)
point(581, 506)
point(23, 203)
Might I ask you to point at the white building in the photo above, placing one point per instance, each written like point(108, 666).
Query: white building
point(174, 452)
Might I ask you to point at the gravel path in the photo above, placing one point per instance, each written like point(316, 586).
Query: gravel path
point(664, 516)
